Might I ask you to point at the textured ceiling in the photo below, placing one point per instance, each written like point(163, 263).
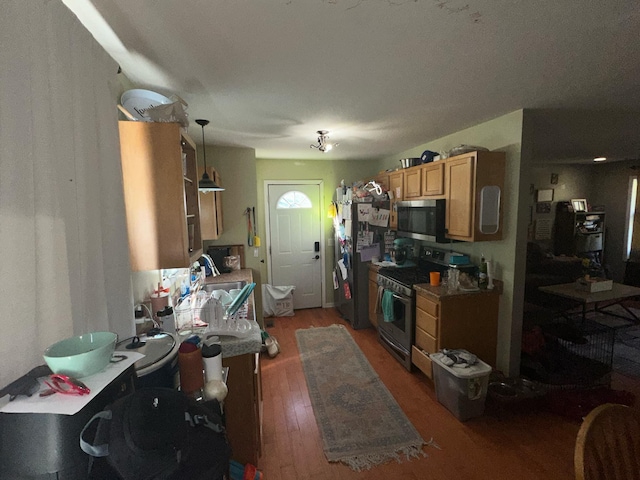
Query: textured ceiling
point(381, 76)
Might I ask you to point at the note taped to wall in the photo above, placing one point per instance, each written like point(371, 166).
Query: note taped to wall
point(543, 229)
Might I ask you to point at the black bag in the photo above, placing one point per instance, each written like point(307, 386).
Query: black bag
point(157, 434)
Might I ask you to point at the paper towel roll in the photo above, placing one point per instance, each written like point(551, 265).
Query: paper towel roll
point(212, 357)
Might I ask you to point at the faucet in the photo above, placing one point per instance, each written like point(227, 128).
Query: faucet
point(214, 271)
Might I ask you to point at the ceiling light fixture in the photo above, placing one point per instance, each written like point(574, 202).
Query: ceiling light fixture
point(323, 144)
point(599, 159)
point(205, 184)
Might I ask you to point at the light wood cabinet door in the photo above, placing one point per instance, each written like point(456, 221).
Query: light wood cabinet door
point(432, 176)
point(471, 180)
point(412, 183)
point(460, 196)
point(161, 199)
point(373, 298)
point(383, 179)
point(243, 407)
point(211, 207)
point(396, 180)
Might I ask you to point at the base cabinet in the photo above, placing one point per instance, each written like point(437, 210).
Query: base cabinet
point(468, 321)
point(373, 296)
point(243, 407)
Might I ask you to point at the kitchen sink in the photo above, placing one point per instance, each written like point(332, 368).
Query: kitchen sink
point(210, 287)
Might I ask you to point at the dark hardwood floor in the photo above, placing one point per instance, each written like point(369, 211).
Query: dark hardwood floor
point(502, 444)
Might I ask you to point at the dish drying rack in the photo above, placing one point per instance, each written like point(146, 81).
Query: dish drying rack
point(202, 311)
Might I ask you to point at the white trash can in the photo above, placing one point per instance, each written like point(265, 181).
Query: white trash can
point(463, 390)
point(277, 301)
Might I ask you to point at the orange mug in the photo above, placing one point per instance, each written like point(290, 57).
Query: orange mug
point(434, 278)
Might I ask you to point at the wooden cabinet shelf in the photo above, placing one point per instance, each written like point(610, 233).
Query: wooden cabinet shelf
point(161, 199)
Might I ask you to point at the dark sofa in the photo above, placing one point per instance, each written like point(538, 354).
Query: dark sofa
point(545, 269)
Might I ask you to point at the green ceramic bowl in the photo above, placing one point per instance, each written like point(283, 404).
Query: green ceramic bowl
point(82, 355)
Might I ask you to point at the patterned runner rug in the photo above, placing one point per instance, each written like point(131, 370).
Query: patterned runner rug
point(360, 422)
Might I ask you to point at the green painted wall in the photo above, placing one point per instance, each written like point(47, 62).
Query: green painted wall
point(331, 173)
point(237, 169)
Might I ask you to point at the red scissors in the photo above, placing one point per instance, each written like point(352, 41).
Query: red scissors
point(65, 385)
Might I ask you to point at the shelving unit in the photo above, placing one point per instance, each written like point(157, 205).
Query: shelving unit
point(579, 232)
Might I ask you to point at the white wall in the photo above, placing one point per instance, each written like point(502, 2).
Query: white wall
point(63, 243)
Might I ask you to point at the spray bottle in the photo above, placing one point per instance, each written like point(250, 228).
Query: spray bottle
point(482, 274)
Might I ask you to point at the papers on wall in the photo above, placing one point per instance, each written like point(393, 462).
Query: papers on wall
point(365, 238)
point(543, 229)
point(347, 227)
point(364, 212)
point(343, 269)
point(346, 212)
point(379, 217)
point(368, 252)
point(389, 237)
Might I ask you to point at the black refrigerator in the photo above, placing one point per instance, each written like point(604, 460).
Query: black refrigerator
point(356, 308)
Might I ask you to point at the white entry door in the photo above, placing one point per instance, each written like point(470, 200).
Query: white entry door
point(295, 241)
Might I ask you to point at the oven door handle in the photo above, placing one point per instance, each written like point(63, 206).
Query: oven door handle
point(403, 299)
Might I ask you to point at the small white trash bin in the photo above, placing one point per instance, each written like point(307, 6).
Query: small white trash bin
point(463, 390)
point(277, 301)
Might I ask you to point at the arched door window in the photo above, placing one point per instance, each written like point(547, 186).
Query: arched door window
point(294, 199)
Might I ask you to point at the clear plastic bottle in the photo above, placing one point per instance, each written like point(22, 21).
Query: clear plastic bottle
point(483, 280)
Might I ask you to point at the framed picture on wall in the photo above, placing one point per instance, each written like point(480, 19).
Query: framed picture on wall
point(545, 195)
point(579, 204)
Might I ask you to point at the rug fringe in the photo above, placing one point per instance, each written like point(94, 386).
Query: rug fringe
point(369, 460)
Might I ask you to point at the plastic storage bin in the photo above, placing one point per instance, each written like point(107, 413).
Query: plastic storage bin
point(462, 390)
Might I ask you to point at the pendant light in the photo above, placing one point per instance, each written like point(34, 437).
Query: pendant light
point(206, 184)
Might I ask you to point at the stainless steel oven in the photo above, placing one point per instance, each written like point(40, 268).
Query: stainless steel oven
point(396, 333)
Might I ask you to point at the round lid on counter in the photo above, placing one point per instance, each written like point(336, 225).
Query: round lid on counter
point(157, 351)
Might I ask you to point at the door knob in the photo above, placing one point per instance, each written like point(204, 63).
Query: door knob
point(316, 257)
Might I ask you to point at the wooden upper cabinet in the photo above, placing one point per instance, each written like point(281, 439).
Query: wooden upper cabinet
point(382, 178)
point(423, 181)
point(395, 187)
point(412, 183)
point(211, 207)
point(432, 176)
point(161, 195)
point(474, 194)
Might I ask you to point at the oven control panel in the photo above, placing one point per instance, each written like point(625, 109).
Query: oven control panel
point(435, 255)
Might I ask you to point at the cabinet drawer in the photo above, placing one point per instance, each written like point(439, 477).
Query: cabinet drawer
point(427, 322)
point(421, 360)
point(427, 305)
point(426, 341)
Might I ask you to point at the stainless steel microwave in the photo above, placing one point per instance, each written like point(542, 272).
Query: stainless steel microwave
point(422, 220)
